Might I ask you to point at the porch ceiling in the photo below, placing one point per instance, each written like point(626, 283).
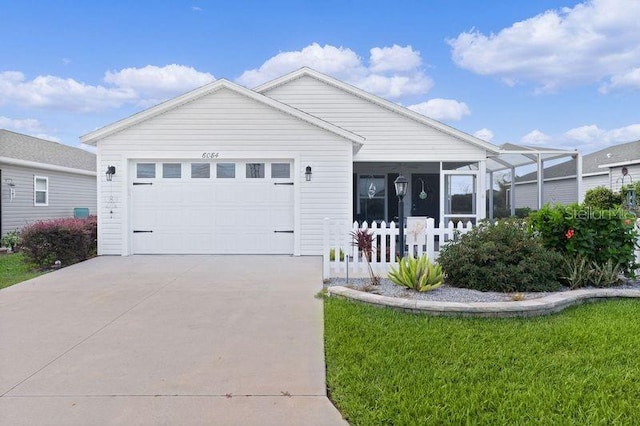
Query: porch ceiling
point(512, 155)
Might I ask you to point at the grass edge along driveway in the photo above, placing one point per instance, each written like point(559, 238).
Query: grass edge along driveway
point(15, 269)
point(581, 366)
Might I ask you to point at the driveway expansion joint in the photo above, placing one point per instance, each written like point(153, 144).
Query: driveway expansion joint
point(526, 308)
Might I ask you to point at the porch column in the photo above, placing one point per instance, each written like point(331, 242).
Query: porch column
point(481, 202)
point(491, 195)
point(512, 193)
point(578, 158)
point(540, 182)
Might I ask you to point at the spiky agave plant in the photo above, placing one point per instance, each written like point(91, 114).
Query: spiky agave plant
point(418, 274)
point(364, 240)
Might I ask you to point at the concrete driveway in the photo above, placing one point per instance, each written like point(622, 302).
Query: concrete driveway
point(166, 340)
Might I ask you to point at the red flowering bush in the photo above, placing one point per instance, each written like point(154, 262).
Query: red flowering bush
point(597, 235)
point(67, 240)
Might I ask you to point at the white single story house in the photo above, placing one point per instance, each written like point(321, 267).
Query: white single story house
point(41, 179)
point(600, 168)
point(226, 169)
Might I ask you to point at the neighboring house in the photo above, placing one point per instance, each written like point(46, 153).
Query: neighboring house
point(41, 179)
point(600, 168)
point(226, 169)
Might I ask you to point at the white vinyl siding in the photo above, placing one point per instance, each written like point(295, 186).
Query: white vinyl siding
point(66, 191)
point(389, 136)
point(236, 128)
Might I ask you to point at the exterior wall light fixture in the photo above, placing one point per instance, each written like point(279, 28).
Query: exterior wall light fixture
point(111, 170)
point(307, 174)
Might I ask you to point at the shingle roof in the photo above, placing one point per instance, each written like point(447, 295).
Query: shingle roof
point(29, 148)
point(590, 162)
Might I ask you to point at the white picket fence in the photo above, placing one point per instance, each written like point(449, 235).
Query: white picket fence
point(342, 259)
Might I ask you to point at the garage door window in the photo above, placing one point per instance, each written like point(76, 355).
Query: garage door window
point(255, 170)
point(146, 170)
point(172, 170)
point(280, 171)
point(226, 170)
point(200, 171)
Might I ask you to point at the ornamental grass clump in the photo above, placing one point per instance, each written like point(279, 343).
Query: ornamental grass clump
point(417, 274)
point(501, 257)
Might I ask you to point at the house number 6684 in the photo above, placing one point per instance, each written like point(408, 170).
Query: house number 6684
point(210, 154)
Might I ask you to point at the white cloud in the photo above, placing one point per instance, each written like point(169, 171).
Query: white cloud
point(535, 137)
point(442, 109)
point(30, 125)
point(394, 58)
point(588, 133)
point(594, 41)
point(630, 79)
point(392, 72)
point(484, 134)
point(196, 9)
point(153, 84)
point(141, 86)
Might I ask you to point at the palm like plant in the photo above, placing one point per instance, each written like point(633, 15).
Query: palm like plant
point(364, 239)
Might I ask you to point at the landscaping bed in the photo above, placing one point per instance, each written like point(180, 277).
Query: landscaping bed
point(577, 367)
point(447, 293)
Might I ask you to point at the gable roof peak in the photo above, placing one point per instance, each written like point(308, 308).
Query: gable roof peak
point(392, 106)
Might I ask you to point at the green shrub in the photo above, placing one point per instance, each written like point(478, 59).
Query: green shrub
point(602, 198)
point(67, 240)
point(500, 257)
point(417, 274)
point(599, 235)
point(11, 239)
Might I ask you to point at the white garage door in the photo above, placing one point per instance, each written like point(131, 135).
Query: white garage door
point(224, 207)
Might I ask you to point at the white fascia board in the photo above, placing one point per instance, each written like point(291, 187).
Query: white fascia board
point(305, 71)
point(622, 163)
point(93, 137)
point(44, 166)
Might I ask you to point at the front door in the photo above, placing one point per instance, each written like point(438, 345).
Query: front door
point(425, 195)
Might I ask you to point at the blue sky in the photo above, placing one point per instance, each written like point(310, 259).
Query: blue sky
point(557, 73)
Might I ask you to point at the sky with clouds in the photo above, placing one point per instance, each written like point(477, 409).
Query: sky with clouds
point(559, 73)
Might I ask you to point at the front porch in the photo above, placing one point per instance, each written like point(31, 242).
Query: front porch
point(444, 191)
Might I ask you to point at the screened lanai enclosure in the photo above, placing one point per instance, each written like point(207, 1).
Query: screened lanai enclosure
point(444, 199)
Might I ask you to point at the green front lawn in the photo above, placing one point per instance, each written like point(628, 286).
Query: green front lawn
point(14, 269)
point(581, 366)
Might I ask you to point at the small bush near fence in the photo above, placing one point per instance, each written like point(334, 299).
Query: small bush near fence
point(67, 240)
point(501, 257)
point(599, 236)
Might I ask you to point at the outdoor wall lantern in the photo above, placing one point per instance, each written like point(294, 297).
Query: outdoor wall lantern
point(401, 183)
point(111, 170)
point(307, 174)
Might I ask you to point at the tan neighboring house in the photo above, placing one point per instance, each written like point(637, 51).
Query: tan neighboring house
point(41, 179)
point(600, 168)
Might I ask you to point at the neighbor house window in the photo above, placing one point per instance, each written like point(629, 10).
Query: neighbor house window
point(226, 170)
point(255, 170)
point(200, 170)
point(171, 170)
point(40, 191)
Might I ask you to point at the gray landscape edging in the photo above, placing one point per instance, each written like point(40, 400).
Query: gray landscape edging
point(532, 307)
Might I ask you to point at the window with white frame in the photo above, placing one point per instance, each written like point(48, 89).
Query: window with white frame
point(40, 191)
